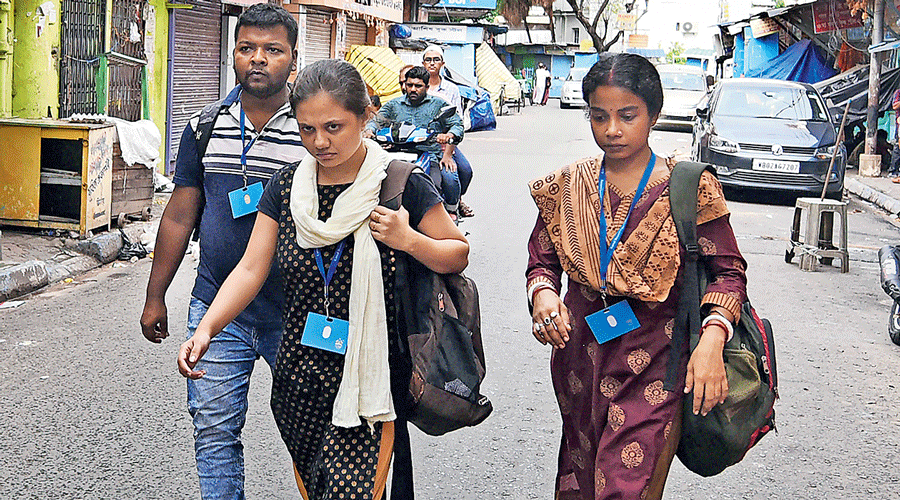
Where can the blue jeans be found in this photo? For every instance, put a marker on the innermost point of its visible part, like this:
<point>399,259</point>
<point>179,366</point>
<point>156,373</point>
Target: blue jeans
<point>450,189</point>
<point>218,401</point>
<point>464,169</point>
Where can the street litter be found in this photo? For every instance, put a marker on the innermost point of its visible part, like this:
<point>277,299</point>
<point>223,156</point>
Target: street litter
<point>131,250</point>
<point>11,304</point>
<point>26,343</point>
<point>68,280</point>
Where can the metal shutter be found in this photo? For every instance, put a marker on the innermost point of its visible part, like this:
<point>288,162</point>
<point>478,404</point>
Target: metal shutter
<point>195,64</point>
<point>318,36</point>
<point>356,33</point>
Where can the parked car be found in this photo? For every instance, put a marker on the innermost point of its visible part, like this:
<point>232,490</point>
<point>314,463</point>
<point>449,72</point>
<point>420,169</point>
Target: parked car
<point>772,135</point>
<point>683,88</point>
<point>571,90</point>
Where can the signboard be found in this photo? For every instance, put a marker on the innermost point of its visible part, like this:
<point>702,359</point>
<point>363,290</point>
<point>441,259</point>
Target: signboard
<point>443,33</point>
<point>626,21</point>
<point>763,27</point>
<point>468,4</point>
<point>832,15</point>
<point>638,41</point>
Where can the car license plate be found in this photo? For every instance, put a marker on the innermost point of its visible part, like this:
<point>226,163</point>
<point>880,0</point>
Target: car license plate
<point>791,167</point>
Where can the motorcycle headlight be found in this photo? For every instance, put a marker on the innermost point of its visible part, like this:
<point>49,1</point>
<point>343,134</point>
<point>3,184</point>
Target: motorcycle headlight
<point>825,152</point>
<point>721,145</point>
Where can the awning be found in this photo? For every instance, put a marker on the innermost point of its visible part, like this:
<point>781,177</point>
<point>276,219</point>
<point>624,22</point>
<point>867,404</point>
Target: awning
<point>493,75</point>
<point>648,53</point>
<point>853,85</point>
<point>379,67</point>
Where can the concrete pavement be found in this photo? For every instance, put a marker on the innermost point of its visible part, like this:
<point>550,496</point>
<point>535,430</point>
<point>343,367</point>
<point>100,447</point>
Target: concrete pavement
<point>32,259</point>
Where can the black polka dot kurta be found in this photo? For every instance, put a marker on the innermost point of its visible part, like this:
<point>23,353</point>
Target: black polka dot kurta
<point>334,463</point>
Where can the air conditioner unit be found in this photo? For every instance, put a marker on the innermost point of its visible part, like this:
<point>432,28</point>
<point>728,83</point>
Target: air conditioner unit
<point>687,26</point>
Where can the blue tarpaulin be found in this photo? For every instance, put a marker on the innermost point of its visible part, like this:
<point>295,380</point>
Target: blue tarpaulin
<point>801,62</point>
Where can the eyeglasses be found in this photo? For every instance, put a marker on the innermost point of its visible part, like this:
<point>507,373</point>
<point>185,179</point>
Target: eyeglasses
<point>432,59</point>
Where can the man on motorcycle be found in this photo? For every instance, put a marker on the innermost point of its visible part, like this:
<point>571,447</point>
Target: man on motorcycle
<point>422,110</point>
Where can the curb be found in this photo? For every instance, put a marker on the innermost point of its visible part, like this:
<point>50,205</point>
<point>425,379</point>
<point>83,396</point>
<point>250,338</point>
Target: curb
<point>17,280</point>
<point>869,194</point>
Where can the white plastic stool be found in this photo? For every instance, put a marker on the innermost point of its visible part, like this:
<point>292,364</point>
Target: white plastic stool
<point>818,242</point>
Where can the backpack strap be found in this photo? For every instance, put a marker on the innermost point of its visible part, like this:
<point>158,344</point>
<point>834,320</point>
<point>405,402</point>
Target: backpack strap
<point>208,116</point>
<point>394,184</point>
<point>684,183</point>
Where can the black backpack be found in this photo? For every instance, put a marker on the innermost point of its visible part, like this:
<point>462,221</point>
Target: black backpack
<point>438,389</point>
<point>720,439</point>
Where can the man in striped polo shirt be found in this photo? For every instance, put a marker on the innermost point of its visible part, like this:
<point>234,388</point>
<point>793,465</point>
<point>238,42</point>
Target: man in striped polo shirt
<point>253,134</point>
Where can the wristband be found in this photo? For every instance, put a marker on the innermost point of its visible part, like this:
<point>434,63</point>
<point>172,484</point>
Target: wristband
<point>722,321</point>
<point>535,288</point>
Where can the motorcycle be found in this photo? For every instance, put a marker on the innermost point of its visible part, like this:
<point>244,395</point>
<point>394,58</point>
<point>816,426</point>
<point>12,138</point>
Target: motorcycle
<point>404,141</point>
<point>889,260</point>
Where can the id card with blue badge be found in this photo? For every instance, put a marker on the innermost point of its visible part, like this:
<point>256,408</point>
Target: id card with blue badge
<point>618,319</point>
<point>244,201</point>
<point>326,333</point>
<point>612,322</point>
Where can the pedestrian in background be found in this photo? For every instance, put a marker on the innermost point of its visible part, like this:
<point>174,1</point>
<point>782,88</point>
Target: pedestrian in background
<point>438,86</point>
<point>620,424</point>
<point>542,84</point>
<point>894,169</point>
<point>335,410</point>
<point>253,136</point>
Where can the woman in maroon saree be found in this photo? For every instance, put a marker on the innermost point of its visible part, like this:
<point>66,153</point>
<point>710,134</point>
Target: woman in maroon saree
<point>620,420</point>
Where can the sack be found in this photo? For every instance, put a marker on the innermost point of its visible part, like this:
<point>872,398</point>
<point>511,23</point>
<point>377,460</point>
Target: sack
<point>720,439</point>
<point>441,319</point>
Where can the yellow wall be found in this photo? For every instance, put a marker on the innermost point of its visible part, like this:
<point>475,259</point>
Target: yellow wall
<point>35,71</point>
<point>157,71</point>
<point>6,56</point>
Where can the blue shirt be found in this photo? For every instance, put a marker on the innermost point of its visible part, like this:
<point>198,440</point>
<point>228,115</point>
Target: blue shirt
<point>401,110</point>
<point>223,238</point>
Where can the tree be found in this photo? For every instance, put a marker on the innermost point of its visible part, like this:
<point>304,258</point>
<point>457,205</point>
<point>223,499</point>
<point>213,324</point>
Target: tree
<point>606,10</point>
<point>515,12</point>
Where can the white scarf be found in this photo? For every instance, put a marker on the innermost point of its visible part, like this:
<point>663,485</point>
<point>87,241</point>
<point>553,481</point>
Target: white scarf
<point>365,389</point>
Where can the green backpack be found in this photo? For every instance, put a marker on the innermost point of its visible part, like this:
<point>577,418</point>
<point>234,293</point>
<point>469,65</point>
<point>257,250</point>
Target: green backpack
<point>720,439</point>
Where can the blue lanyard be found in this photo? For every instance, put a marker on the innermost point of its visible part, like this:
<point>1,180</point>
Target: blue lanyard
<point>246,148</point>
<point>606,252</point>
<point>332,267</point>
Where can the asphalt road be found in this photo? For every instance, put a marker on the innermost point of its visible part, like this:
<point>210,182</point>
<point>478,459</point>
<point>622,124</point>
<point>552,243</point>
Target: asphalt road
<point>89,409</point>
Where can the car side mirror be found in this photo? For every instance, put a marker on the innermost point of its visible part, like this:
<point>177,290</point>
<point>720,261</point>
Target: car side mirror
<point>702,113</point>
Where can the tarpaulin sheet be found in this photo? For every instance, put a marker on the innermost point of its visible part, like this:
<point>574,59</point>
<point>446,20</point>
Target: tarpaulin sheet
<point>801,62</point>
<point>493,75</point>
<point>379,67</point>
<point>854,85</point>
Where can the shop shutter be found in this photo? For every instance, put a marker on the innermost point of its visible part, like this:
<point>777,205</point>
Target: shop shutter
<point>356,33</point>
<point>195,64</point>
<point>318,36</point>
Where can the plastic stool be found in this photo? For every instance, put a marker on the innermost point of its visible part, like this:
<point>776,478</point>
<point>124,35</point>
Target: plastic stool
<point>818,242</point>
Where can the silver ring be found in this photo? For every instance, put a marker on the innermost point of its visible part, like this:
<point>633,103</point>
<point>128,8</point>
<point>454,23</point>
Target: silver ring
<point>553,315</point>
<point>547,321</point>
<point>537,326</point>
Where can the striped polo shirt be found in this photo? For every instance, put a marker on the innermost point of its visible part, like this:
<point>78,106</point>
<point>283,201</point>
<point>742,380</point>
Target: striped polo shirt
<point>223,238</point>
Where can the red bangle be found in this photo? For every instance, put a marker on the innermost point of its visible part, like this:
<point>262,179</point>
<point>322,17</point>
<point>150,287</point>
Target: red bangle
<point>716,322</point>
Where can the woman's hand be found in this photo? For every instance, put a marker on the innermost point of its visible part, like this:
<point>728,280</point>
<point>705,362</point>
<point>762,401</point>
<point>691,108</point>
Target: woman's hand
<point>391,227</point>
<point>551,319</point>
<point>706,371</point>
<point>190,353</point>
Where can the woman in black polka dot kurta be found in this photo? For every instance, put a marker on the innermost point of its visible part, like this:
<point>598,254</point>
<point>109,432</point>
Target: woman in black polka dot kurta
<point>333,462</point>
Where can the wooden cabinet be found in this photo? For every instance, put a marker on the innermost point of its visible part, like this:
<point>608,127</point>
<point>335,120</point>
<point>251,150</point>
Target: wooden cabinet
<point>55,174</point>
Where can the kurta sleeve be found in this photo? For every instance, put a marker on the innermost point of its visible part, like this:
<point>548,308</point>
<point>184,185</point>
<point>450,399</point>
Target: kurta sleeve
<point>719,250</point>
<point>543,262</point>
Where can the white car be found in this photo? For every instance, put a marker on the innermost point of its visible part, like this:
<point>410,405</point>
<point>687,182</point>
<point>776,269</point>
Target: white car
<point>683,88</point>
<point>571,90</point>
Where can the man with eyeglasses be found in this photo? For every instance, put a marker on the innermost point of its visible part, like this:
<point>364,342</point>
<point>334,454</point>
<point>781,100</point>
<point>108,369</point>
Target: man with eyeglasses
<point>433,60</point>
